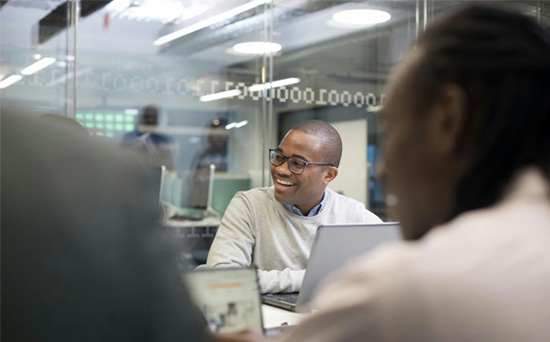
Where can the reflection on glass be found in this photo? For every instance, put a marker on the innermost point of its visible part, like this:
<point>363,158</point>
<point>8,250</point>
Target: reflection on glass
<point>181,57</point>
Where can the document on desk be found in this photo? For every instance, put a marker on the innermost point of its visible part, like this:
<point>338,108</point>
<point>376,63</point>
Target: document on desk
<point>228,298</point>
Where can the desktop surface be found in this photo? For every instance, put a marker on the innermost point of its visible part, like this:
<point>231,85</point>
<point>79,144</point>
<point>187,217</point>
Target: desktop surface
<point>276,317</point>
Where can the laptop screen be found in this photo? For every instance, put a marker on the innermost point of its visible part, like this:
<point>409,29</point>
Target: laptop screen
<point>228,298</point>
<point>335,245</point>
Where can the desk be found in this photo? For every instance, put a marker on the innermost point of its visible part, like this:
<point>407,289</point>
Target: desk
<point>274,317</point>
<point>192,239</point>
<point>211,221</point>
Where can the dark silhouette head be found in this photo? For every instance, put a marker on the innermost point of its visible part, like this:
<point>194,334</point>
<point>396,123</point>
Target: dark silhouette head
<point>467,109</point>
<point>149,116</point>
<point>501,60</point>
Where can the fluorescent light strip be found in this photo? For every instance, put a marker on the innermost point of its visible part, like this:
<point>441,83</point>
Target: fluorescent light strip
<point>373,108</point>
<point>41,64</point>
<point>241,124</point>
<point>210,21</point>
<point>220,95</point>
<point>231,125</point>
<point>131,111</point>
<point>274,84</point>
<point>256,48</point>
<point>363,17</point>
<point>8,81</point>
<point>69,76</point>
<point>236,124</point>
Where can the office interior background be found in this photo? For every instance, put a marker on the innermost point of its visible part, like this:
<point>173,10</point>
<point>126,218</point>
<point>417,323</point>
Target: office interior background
<point>228,77</point>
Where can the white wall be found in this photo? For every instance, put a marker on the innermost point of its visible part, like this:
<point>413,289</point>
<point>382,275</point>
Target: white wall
<point>352,173</point>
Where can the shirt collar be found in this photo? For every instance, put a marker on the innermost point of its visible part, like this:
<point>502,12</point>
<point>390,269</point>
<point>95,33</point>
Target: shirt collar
<point>315,211</point>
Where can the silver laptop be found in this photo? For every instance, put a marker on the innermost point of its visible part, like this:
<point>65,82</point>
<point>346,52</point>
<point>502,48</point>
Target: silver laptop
<point>334,245</point>
<point>228,298</point>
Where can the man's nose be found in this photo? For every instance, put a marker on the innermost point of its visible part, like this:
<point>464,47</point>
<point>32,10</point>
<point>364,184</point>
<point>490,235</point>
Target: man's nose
<point>284,168</point>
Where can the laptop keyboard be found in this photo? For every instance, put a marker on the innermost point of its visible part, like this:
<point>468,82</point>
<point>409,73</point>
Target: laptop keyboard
<point>287,297</point>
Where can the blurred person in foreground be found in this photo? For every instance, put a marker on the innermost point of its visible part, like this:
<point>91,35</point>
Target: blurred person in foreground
<point>83,258</point>
<point>467,161</point>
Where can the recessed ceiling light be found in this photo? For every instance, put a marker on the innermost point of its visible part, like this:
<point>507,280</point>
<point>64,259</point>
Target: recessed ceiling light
<point>361,17</point>
<point>256,48</point>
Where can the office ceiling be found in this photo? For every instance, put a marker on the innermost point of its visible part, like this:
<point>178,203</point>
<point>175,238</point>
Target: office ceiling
<point>123,31</point>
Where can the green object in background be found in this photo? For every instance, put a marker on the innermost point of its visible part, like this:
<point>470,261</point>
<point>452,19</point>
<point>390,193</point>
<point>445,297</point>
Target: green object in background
<point>99,117</point>
<point>224,189</point>
<point>109,117</point>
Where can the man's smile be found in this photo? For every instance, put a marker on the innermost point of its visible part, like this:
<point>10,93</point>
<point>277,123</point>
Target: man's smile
<point>283,182</point>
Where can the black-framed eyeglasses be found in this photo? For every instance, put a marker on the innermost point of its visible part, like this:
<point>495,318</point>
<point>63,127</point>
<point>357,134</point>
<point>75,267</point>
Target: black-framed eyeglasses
<point>295,165</point>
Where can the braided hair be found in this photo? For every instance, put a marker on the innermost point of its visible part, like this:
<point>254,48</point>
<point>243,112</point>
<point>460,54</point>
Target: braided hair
<point>501,60</point>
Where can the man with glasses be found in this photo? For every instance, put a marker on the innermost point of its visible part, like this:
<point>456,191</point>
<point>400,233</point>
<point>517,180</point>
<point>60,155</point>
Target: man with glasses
<point>273,228</point>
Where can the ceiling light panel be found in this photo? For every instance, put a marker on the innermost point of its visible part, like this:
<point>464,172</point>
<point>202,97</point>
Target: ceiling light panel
<point>256,48</point>
<point>274,84</point>
<point>209,21</point>
<point>41,64</point>
<point>361,17</point>
<point>8,81</point>
<point>164,11</point>
<point>220,95</point>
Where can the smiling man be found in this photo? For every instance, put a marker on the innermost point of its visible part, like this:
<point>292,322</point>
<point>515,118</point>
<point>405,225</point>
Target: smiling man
<point>273,228</point>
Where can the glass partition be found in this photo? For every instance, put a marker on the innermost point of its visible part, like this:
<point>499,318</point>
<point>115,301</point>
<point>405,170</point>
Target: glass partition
<point>183,95</point>
<point>37,55</point>
<point>183,80</point>
<point>342,53</point>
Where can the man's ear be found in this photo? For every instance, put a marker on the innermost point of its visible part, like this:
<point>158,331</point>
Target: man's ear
<point>448,121</point>
<point>330,174</point>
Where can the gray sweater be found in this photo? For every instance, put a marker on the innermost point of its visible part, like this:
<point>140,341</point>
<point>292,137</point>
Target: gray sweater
<point>258,230</point>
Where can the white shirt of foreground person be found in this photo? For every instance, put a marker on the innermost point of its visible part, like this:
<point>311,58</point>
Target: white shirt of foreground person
<point>484,276</point>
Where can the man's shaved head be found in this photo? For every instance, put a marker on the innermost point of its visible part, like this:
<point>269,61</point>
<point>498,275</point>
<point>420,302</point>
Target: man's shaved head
<point>327,135</point>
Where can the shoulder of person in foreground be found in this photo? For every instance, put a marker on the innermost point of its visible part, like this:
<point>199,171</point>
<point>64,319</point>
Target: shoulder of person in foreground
<point>357,303</point>
<point>81,244</point>
<point>448,276</point>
